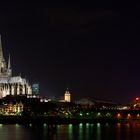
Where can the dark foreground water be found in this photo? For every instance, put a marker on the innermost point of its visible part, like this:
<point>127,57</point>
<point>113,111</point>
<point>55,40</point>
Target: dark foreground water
<point>96,131</point>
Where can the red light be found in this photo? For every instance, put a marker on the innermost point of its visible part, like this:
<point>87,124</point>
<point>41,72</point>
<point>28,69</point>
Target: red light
<point>137,99</point>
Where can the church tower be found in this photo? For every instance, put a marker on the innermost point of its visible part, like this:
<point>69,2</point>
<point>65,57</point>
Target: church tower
<point>4,70</point>
<point>11,85</point>
<point>9,70</point>
<point>67,96</point>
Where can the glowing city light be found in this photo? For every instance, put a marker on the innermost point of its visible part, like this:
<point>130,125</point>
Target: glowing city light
<point>128,116</point>
<point>81,114</point>
<point>118,115</point>
<point>99,114</point>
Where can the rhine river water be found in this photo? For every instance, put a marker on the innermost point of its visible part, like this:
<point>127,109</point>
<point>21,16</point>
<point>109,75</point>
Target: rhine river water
<point>96,131</point>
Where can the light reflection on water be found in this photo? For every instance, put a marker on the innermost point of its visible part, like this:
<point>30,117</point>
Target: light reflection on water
<point>87,131</point>
<point>70,131</point>
<point>98,131</point>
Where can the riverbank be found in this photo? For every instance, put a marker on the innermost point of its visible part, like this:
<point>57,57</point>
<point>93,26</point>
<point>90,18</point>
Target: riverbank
<point>54,120</point>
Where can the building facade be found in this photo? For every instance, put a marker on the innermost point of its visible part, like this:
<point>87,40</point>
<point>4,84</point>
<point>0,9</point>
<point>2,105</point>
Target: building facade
<point>12,108</point>
<point>11,85</point>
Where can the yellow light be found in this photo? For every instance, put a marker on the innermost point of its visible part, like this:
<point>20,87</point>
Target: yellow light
<point>118,115</point>
<point>128,116</point>
<point>118,124</point>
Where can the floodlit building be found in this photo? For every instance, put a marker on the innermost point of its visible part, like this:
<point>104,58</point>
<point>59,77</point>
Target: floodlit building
<point>67,96</point>
<point>11,85</point>
<point>11,108</point>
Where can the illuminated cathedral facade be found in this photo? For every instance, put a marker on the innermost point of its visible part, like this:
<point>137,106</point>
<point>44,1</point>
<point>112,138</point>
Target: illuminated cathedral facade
<point>11,85</point>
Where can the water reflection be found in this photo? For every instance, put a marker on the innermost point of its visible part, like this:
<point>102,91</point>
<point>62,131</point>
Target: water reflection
<point>70,131</point>
<point>82,131</point>
<point>98,134</point>
<point>118,131</point>
<point>88,130</point>
<point>128,133</point>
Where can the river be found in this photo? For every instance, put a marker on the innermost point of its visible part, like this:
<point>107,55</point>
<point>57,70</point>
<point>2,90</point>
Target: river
<point>96,131</point>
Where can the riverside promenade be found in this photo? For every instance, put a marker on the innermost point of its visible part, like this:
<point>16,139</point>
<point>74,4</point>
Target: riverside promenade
<point>97,116</point>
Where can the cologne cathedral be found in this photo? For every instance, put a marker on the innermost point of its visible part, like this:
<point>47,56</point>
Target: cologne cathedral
<point>11,85</point>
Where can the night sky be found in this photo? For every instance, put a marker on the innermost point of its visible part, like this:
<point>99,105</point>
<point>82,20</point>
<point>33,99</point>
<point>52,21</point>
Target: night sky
<point>92,50</point>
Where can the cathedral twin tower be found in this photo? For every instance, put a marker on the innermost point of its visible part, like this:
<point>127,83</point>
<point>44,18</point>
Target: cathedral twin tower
<point>5,71</point>
<point>11,85</point>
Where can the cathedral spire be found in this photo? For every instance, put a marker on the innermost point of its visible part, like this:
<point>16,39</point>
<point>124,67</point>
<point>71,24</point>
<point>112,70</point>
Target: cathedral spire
<point>9,70</point>
<point>9,62</point>
<point>1,52</point>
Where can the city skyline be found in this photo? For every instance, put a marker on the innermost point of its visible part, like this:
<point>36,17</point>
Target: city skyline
<point>93,51</point>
